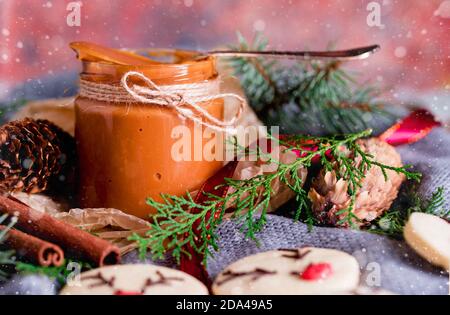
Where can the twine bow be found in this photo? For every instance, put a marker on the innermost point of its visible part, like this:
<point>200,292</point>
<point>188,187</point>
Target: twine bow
<point>184,98</point>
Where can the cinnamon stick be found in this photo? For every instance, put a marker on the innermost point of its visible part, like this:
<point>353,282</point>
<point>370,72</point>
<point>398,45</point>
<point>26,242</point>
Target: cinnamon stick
<point>75,242</point>
<point>33,249</point>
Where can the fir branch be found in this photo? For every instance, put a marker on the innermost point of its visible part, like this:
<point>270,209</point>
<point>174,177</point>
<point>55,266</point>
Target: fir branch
<point>255,73</point>
<point>435,204</point>
<point>173,225</point>
<point>311,96</point>
<point>393,221</point>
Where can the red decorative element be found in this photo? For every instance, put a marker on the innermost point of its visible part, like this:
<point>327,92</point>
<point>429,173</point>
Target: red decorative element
<point>318,271</point>
<point>122,292</point>
<point>306,146</point>
<point>411,129</point>
<point>193,265</point>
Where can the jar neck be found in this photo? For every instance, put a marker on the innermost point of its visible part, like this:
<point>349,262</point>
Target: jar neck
<point>183,70</point>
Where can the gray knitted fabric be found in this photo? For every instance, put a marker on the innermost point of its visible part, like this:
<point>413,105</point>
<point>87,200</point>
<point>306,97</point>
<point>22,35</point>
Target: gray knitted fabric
<point>400,269</point>
<point>29,285</point>
<point>384,262</point>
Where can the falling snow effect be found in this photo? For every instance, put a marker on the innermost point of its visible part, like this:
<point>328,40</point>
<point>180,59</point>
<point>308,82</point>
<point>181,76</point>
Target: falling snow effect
<point>413,66</point>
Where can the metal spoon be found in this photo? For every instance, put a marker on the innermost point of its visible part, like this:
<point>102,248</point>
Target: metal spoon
<point>349,54</point>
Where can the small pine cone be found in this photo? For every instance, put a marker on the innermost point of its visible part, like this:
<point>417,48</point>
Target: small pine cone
<point>329,195</point>
<point>34,154</point>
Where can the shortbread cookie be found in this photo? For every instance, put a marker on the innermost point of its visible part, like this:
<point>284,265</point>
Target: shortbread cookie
<point>134,280</point>
<point>306,270</point>
<point>429,236</point>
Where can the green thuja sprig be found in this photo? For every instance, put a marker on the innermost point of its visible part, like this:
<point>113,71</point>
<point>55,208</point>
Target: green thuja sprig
<point>173,226</point>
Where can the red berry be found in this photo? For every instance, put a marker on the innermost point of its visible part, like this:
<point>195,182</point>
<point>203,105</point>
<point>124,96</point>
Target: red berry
<point>316,271</point>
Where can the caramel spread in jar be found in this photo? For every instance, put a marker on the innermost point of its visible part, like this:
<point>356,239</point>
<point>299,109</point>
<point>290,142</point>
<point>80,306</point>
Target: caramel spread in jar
<point>125,150</point>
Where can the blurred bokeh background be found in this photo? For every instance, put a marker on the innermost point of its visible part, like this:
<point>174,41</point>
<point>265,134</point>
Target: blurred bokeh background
<point>414,35</point>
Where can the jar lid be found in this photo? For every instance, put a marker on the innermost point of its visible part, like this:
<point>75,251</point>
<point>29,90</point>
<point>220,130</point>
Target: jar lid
<point>162,66</point>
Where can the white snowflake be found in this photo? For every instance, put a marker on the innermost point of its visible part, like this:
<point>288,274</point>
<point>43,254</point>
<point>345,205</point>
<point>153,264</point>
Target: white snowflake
<point>400,52</point>
<point>259,25</point>
<point>188,3</point>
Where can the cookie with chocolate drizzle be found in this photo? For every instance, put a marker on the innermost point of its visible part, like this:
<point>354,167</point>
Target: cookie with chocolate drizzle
<point>134,280</point>
<point>305,270</point>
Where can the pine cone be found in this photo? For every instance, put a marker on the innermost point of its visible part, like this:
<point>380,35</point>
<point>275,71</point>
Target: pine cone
<point>34,154</point>
<point>329,195</point>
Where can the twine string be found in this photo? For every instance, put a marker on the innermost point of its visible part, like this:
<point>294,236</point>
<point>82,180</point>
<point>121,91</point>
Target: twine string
<point>184,98</point>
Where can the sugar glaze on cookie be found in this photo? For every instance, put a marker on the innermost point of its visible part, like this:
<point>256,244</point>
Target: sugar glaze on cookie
<point>283,272</point>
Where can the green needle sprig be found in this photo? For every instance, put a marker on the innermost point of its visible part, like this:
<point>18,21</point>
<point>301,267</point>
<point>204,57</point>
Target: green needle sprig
<point>172,227</point>
<point>309,96</point>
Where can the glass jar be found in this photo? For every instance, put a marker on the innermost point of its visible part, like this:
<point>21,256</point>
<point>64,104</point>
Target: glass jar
<point>124,149</point>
